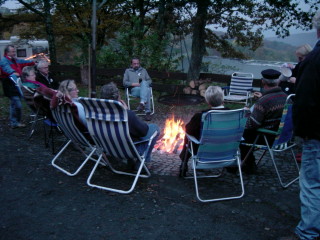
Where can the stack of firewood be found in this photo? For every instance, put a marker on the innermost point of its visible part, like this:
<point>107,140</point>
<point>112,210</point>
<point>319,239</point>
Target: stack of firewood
<point>197,87</point>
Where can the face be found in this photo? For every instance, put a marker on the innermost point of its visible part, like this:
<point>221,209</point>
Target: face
<point>74,91</point>
<point>135,64</point>
<point>11,52</point>
<point>31,76</point>
<point>300,57</point>
<point>44,69</point>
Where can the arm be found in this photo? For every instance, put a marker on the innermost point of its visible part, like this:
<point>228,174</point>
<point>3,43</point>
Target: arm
<point>193,127</point>
<point>147,78</point>
<point>6,68</point>
<point>256,118</point>
<point>126,79</point>
<point>137,127</point>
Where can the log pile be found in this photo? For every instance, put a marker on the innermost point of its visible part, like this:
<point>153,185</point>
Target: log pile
<point>197,87</point>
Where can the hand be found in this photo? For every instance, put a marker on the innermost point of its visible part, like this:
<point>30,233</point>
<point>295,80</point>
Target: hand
<point>257,94</point>
<point>292,80</point>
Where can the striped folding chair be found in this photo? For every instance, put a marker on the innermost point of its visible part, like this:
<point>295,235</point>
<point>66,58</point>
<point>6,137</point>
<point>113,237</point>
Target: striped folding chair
<point>107,122</point>
<point>70,126</point>
<point>283,142</point>
<point>240,88</point>
<point>218,146</point>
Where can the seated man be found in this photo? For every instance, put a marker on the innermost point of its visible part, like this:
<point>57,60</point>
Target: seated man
<point>214,98</point>
<point>138,129</point>
<point>138,80</point>
<point>266,113</point>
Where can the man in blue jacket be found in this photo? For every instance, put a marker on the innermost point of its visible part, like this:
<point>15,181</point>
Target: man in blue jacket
<point>11,69</point>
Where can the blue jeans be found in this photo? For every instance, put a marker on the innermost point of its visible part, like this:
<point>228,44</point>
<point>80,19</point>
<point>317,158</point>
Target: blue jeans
<point>15,110</point>
<point>309,225</point>
<point>143,146</point>
<point>144,93</point>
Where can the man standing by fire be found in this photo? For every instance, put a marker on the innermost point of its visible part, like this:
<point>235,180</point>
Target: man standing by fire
<point>11,69</point>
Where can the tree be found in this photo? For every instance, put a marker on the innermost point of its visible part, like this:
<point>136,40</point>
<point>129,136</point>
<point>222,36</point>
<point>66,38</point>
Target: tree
<point>44,12</point>
<point>243,23</point>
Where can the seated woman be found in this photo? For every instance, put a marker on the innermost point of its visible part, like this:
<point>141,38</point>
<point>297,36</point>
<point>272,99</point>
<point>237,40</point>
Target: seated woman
<point>214,97</point>
<point>69,89</point>
<point>36,102</point>
<point>29,78</point>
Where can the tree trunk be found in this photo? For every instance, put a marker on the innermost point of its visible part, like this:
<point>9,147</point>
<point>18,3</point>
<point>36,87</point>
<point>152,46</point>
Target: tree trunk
<point>50,34</point>
<point>198,39</point>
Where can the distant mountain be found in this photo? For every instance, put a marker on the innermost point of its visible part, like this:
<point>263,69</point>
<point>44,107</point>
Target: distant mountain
<point>297,39</point>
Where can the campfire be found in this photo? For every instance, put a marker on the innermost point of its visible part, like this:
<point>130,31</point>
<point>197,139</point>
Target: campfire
<point>172,140</point>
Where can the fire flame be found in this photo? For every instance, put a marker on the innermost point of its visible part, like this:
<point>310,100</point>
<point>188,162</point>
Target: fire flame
<point>172,141</point>
<point>41,55</point>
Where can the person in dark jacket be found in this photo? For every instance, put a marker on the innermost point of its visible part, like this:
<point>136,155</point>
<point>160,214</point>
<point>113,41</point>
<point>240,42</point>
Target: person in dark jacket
<point>11,70</point>
<point>43,75</point>
<point>288,85</point>
<point>214,97</point>
<point>306,121</point>
<point>138,129</point>
<point>267,113</point>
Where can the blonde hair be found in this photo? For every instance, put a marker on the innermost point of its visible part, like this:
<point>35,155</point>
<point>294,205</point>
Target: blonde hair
<point>304,50</point>
<point>214,96</point>
<point>67,86</point>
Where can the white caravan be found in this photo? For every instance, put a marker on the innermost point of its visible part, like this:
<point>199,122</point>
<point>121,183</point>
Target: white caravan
<point>26,49</point>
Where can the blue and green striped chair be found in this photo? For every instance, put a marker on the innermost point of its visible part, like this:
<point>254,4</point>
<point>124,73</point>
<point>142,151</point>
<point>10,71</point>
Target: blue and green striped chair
<point>107,122</point>
<point>283,142</point>
<point>221,134</point>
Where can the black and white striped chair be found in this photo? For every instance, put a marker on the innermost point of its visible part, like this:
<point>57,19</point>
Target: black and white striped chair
<point>107,122</point>
<point>70,126</point>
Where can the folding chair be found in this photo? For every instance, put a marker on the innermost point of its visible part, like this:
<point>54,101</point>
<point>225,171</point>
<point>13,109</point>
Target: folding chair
<point>107,122</point>
<point>35,115</point>
<point>283,141</point>
<point>64,115</point>
<point>240,88</point>
<point>218,146</point>
<point>129,98</point>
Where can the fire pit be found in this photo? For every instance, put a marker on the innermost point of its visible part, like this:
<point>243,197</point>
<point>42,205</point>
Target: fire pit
<point>180,99</point>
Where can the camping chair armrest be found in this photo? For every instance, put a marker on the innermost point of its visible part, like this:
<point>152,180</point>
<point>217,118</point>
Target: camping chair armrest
<point>192,139</point>
<point>263,130</point>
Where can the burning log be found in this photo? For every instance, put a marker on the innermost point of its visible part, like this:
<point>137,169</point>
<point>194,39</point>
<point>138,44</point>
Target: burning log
<point>177,146</point>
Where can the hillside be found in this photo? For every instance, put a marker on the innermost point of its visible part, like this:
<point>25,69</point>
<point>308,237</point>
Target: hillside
<point>297,39</point>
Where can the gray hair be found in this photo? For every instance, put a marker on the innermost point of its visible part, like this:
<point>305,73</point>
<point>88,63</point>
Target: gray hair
<point>271,82</point>
<point>214,96</point>
<point>26,71</point>
<point>110,91</point>
<point>316,21</point>
<point>42,63</point>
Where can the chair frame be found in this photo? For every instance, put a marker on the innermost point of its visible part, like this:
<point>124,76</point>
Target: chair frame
<point>129,98</point>
<point>238,93</point>
<point>231,159</point>
<point>282,143</point>
<point>101,119</point>
<point>64,117</point>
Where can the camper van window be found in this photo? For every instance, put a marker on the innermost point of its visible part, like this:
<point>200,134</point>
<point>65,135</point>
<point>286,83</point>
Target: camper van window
<point>21,52</point>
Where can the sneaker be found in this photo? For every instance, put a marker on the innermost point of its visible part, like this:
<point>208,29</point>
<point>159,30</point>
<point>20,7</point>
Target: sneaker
<point>148,117</point>
<point>140,108</point>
